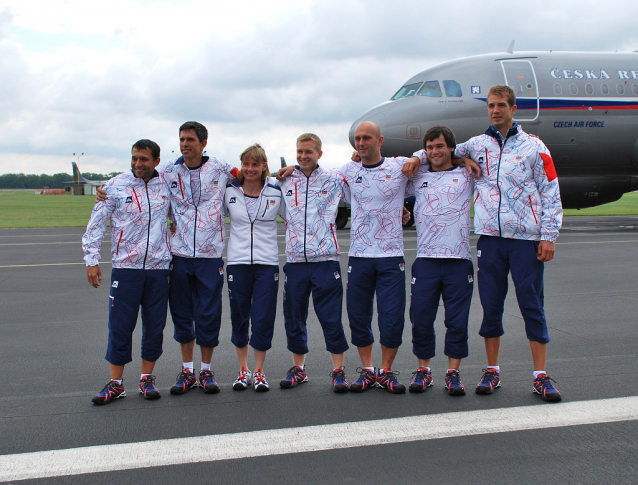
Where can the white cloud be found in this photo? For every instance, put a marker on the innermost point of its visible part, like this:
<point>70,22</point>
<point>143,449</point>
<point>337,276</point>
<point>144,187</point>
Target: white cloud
<point>85,76</point>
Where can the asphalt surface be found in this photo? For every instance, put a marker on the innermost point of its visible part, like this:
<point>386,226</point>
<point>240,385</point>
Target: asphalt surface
<point>53,337</point>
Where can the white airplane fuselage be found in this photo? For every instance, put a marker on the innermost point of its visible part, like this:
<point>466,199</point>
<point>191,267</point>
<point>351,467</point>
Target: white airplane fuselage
<point>584,106</point>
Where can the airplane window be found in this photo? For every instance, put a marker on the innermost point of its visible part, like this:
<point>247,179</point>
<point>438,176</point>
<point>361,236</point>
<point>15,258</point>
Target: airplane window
<point>431,88</point>
<point>634,88</point>
<point>558,89</point>
<point>452,89</point>
<point>573,88</point>
<point>407,90</point>
<point>604,89</point>
<point>620,89</point>
<point>589,89</point>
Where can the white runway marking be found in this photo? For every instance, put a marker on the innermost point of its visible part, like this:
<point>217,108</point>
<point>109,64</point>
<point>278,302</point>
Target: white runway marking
<point>93,459</point>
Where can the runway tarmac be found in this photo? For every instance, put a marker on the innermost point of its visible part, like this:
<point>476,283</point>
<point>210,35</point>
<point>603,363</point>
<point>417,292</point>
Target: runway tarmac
<point>53,338</point>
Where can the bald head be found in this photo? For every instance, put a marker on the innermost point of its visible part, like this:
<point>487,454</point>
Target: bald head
<point>368,141</point>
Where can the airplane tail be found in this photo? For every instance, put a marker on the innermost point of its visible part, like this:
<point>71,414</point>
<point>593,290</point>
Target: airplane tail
<point>77,176</point>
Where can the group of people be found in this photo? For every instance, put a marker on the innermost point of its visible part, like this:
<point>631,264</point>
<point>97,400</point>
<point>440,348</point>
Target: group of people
<point>517,213</point>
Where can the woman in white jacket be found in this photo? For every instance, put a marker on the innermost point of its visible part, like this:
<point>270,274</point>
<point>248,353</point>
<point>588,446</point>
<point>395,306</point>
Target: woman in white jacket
<point>253,202</point>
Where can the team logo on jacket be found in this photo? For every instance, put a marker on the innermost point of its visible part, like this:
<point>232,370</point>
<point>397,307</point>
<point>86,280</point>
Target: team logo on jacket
<point>388,178</point>
<point>324,193</point>
<point>481,160</point>
<point>289,193</point>
<point>470,278</point>
<point>337,275</point>
<point>173,185</point>
<point>455,181</point>
<point>424,185</point>
<point>276,276</point>
<point>115,283</point>
<point>232,200</point>
<point>272,202</point>
<point>215,183</point>
<point>129,199</point>
<point>402,267</point>
<point>230,278</point>
<point>358,181</point>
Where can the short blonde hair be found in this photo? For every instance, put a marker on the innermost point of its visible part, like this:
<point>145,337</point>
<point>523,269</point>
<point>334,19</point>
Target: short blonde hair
<point>258,154</point>
<point>310,137</point>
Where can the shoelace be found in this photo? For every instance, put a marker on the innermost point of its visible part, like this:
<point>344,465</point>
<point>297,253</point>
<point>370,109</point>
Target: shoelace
<point>259,378</point>
<point>488,377</point>
<point>454,378</point>
<point>339,376</point>
<point>545,382</point>
<point>420,375</point>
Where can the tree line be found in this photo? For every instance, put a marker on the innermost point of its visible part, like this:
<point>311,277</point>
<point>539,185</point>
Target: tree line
<point>56,181</point>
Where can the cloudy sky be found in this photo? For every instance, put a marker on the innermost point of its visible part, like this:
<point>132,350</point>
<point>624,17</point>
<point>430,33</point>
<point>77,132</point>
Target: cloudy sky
<point>93,77</point>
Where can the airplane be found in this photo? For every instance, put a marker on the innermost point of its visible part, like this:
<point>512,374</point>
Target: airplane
<point>582,105</point>
<point>81,185</point>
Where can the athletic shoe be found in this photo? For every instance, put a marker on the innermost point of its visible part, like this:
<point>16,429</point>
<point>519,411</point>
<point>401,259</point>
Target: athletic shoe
<point>421,381</point>
<point>388,381</point>
<point>185,381</point>
<point>259,381</point>
<point>544,388</point>
<point>295,377</point>
<point>148,388</point>
<point>339,381</point>
<point>243,380</point>
<point>110,393</point>
<point>453,384</point>
<point>490,381</point>
<point>366,380</point>
<point>207,382</point>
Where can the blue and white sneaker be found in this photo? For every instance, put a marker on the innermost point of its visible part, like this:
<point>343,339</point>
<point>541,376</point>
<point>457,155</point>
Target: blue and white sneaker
<point>490,381</point>
<point>453,384</point>
<point>388,381</point>
<point>185,381</point>
<point>260,383</point>
<point>295,377</point>
<point>110,393</point>
<point>207,382</point>
<point>366,380</point>
<point>422,380</point>
<point>339,381</point>
<point>148,389</point>
<point>243,380</point>
<point>545,389</point>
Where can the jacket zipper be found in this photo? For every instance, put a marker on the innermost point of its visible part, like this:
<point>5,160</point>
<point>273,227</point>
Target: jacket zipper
<point>532,208</point>
<point>148,227</point>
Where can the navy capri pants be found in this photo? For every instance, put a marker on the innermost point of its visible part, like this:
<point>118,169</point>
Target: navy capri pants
<point>130,290</point>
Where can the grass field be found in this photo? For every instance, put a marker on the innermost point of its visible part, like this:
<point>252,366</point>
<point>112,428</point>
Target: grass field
<point>24,209</point>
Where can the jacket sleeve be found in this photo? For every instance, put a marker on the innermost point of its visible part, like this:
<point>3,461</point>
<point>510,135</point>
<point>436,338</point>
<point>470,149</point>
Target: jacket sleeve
<point>422,155</point>
<point>546,181</point>
<point>92,239</point>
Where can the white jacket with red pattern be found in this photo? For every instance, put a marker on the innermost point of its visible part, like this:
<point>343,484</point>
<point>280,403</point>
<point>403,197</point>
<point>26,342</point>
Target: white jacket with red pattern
<point>517,195</point>
<point>137,211</point>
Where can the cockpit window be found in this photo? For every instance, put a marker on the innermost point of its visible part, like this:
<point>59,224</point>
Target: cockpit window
<point>407,90</point>
<point>431,88</point>
<point>452,89</point>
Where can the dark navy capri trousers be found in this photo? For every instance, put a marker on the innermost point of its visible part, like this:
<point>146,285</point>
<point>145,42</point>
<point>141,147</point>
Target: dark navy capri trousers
<point>130,290</point>
<point>252,292</point>
<point>323,280</point>
<point>453,280</point>
<point>195,299</point>
<point>386,277</point>
<point>497,257</point>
